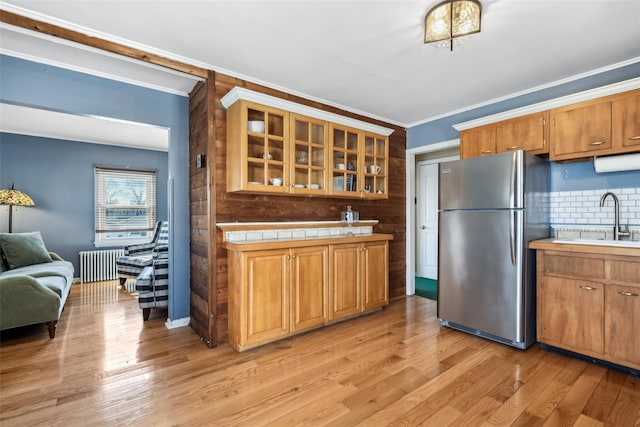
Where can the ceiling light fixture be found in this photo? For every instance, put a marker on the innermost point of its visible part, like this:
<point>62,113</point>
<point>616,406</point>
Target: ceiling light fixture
<point>450,21</point>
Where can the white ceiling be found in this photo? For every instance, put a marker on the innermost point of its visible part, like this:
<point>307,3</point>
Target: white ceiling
<point>367,56</point>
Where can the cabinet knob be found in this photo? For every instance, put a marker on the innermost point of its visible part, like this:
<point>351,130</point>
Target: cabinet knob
<point>597,143</point>
<point>486,152</point>
<point>423,227</point>
<point>513,147</point>
<point>634,138</point>
<point>587,288</point>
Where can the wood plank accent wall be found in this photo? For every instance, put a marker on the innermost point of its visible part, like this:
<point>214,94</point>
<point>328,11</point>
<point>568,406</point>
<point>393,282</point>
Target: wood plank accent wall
<point>230,207</point>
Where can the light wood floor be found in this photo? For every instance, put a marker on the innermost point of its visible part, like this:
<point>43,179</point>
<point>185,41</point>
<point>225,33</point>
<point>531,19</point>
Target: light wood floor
<point>395,367</point>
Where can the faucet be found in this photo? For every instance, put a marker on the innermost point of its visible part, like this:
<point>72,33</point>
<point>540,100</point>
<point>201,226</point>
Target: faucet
<point>617,231</point>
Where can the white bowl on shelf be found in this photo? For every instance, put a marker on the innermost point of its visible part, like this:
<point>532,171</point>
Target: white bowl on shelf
<point>275,181</point>
<point>314,186</point>
<point>255,126</point>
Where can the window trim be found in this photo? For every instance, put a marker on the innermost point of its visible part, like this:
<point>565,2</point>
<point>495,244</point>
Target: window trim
<point>101,171</point>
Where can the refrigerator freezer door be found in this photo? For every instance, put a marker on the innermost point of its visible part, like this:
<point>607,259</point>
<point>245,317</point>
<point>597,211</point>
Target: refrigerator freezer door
<point>491,182</point>
<point>480,283</point>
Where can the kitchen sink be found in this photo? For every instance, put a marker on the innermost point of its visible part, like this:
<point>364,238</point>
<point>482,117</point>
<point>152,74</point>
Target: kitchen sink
<point>600,242</point>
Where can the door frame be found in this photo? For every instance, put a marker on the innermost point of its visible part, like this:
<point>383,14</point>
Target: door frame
<point>410,207</point>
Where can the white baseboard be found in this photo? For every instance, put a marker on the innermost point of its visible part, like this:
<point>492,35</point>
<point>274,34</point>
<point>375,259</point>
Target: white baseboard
<point>177,323</point>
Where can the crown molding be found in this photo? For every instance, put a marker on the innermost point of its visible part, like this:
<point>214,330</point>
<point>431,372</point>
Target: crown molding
<point>586,95</point>
<point>238,93</point>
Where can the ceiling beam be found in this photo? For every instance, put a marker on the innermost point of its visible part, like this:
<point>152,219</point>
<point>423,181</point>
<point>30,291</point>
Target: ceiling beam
<point>117,48</point>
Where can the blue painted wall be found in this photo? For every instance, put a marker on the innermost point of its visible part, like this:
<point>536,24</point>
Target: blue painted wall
<point>38,85</point>
<point>58,175</point>
<point>579,176</point>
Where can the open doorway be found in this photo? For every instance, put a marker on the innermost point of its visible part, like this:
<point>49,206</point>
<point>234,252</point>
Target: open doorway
<point>422,215</point>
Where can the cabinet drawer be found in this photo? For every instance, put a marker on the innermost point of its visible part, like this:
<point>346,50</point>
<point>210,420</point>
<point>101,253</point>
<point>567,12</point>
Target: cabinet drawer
<point>590,268</point>
<point>625,271</point>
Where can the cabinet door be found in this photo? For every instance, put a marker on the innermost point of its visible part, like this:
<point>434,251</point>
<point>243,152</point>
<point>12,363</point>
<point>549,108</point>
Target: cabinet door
<point>345,146</point>
<point>623,323</point>
<point>375,167</point>
<point>571,314</point>
<point>523,133</point>
<point>583,129</point>
<point>267,296</point>
<point>309,287</point>
<point>346,291</point>
<point>375,275</point>
<point>480,141</point>
<point>625,121</point>
<point>308,157</point>
<point>257,151</point>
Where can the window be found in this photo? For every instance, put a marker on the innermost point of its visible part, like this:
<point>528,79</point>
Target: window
<point>125,205</point>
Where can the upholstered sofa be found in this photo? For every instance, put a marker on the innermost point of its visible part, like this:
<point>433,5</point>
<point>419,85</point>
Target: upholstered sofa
<point>34,283</point>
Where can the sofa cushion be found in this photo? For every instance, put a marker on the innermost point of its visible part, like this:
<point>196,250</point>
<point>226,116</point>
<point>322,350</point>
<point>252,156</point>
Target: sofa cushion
<point>22,249</point>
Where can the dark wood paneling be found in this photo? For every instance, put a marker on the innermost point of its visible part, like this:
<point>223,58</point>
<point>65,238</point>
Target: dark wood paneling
<point>230,207</point>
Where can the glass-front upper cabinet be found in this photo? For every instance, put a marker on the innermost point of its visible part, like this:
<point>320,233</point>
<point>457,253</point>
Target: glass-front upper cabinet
<point>258,145</point>
<point>279,147</point>
<point>375,168</point>
<point>308,158</point>
<point>345,146</point>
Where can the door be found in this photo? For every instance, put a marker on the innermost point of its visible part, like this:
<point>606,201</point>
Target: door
<point>427,221</point>
<point>480,281</point>
<point>346,290</point>
<point>267,299</point>
<point>375,260</point>
<point>309,281</point>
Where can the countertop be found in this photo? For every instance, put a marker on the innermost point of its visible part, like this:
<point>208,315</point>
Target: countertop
<point>250,245</point>
<point>576,246</point>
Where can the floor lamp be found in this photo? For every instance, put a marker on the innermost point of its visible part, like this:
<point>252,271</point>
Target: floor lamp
<point>13,197</point>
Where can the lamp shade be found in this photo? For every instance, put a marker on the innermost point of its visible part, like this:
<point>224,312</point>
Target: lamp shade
<point>451,20</point>
<point>13,197</point>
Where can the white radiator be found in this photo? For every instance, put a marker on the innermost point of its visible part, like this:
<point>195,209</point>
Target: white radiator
<point>96,266</point>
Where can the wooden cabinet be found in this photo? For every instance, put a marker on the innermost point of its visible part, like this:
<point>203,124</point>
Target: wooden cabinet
<point>292,286</point>
<point>309,154</point>
<point>603,126</point>
<point>589,303</point>
<point>599,127</point>
<point>583,129</point>
<point>528,133</point>
<point>625,119</point>
<point>263,299</point>
<point>571,314</point>
<point>276,151</point>
<point>309,286</point>
<point>480,141</point>
<point>360,279</point>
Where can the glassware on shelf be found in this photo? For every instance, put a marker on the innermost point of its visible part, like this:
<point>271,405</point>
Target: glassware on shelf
<point>349,217</point>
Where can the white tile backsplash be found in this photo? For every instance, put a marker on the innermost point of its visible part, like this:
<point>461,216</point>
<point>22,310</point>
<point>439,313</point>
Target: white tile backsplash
<point>583,207</point>
<point>294,233</point>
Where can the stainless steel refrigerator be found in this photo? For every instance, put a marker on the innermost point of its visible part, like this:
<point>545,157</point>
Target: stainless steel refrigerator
<point>489,209</point>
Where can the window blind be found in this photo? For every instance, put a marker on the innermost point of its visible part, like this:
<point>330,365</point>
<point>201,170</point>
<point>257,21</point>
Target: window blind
<point>125,200</point>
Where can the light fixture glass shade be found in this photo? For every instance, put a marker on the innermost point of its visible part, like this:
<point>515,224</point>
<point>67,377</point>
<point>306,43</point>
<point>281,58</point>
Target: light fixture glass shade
<point>450,20</point>
<point>13,197</point>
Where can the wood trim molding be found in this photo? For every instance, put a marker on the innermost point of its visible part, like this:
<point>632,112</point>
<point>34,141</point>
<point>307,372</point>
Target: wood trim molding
<point>238,93</point>
<point>98,43</point>
<point>586,95</point>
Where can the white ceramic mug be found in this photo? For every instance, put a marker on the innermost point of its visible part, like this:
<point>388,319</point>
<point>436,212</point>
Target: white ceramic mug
<point>375,169</point>
<point>339,165</point>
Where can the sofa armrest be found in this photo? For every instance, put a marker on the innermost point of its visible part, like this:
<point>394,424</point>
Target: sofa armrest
<point>54,256</point>
<point>24,301</point>
<point>160,252</point>
<point>141,248</point>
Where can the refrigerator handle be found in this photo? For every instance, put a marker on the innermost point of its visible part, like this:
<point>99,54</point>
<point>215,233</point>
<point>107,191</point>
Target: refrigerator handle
<point>512,236</point>
<point>513,180</point>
